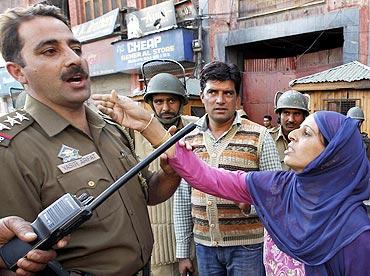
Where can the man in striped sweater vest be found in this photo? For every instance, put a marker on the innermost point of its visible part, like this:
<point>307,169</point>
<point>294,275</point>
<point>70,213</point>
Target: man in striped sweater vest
<point>228,237</point>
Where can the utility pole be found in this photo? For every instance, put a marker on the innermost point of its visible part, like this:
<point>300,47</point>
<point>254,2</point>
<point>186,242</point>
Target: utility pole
<point>197,45</point>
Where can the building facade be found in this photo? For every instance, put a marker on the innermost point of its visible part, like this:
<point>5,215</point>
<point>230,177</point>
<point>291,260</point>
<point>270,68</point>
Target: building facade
<point>278,41</point>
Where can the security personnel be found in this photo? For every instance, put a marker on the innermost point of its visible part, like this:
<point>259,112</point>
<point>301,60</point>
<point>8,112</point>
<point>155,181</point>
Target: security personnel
<point>292,108</point>
<point>58,145</point>
<point>358,114</point>
<point>166,95</point>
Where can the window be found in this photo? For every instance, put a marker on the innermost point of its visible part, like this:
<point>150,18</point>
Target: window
<point>106,7</point>
<point>88,11</point>
<point>341,105</point>
<point>197,111</point>
<point>97,12</point>
<point>248,9</point>
<point>96,8</point>
<point>62,4</point>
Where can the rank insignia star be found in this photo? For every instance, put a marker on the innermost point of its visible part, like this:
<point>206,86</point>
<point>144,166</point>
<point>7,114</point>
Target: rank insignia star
<point>68,154</point>
<point>20,117</point>
<point>2,126</point>
<point>11,121</point>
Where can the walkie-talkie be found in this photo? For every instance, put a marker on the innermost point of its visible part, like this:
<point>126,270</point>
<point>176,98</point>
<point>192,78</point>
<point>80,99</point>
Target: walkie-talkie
<point>68,212</point>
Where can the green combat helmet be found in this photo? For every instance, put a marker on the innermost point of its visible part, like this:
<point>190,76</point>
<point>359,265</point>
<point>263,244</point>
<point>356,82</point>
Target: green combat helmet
<point>292,100</point>
<point>356,113</point>
<point>165,83</point>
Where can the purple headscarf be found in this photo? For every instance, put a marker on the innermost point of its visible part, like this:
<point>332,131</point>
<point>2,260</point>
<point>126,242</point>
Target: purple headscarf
<point>313,214</point>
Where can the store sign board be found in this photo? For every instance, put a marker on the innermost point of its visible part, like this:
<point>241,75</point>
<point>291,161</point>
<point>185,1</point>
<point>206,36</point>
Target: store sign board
<point>172,44</point>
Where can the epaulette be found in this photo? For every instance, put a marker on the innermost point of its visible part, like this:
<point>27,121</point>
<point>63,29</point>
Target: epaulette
<point>187,119</point>
<point>13,123</point>
<point>122,130</point>
<point>273,130</point>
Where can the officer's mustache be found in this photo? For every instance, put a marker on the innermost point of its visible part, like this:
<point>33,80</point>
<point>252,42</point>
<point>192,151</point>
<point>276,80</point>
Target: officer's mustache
<point>72,72</point>
<point>167,113</point>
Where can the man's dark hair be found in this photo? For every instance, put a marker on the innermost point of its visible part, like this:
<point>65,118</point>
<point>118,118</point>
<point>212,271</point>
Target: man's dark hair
<point>268,117</point>
<point>10,42</point>
<point>220,71</point>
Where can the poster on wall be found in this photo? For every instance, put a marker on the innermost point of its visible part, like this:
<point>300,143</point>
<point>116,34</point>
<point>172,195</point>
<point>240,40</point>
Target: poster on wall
<point>152,19</point>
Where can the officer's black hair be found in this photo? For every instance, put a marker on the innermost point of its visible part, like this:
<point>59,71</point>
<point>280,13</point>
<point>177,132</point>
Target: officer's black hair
<point>10,42</point>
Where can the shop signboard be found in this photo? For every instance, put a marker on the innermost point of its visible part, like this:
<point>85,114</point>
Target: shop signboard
<point>172,44</point>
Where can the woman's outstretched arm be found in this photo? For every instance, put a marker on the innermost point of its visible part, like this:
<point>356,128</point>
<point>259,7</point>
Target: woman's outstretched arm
<point>215,181</point>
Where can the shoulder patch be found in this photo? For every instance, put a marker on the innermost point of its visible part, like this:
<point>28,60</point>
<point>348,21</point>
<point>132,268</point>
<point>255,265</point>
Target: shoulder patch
<point>108,119</point>
<point>11,124</point>
<point>124,131</point>
<point>273,130</point>
<point>187,119</point>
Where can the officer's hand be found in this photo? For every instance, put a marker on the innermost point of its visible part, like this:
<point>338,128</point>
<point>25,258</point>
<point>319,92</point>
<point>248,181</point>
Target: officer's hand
<point>36,259</point>
<point>185,265</point>
<point>122,110</point>
<point>244,207</point>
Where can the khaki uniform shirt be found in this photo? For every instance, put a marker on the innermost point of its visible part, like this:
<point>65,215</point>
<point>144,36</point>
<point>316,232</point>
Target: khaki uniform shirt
<point>281,144</point>
<point>34,149</point>
<point>366,140</point>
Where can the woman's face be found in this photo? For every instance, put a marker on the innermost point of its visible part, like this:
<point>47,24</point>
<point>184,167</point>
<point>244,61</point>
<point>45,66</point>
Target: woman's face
<point>306,143</point>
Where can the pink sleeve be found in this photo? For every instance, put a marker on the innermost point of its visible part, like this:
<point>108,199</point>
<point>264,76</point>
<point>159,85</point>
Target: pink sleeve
<point>215,181</point>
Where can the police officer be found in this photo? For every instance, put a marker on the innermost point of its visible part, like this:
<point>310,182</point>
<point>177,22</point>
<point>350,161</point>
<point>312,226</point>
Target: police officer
<point>358,114</point>
<point>292,108</point>
<point>56,144</point>
<point>166,95</point>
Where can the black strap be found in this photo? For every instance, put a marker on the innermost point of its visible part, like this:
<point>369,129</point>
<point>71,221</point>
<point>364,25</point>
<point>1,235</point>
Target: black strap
<point>74,272</point>
<point>54,268</point>
<point>145,271</point>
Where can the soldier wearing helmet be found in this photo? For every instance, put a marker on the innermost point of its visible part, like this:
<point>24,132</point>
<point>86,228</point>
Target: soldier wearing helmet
<point>166,95</point>
<point>357,113</point>
<point>292,108</point>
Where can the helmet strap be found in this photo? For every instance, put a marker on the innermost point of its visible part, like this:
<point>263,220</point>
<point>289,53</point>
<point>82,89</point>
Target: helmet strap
<point>167,123</point>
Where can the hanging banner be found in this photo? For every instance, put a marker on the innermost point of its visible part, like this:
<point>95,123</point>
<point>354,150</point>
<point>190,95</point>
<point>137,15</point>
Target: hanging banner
<point>101,26</point>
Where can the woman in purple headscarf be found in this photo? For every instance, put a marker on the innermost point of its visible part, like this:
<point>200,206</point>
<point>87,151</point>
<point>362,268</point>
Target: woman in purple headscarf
<point>314,213</point>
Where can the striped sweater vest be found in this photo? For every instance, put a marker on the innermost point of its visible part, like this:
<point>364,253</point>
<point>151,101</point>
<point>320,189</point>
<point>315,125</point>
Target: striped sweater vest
<point>220,222</point>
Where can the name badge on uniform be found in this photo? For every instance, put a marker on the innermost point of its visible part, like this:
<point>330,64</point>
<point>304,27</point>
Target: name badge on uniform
<point>73,160</point>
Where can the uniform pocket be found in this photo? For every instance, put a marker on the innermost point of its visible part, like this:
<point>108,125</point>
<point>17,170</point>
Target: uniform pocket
<point>92,179</point>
